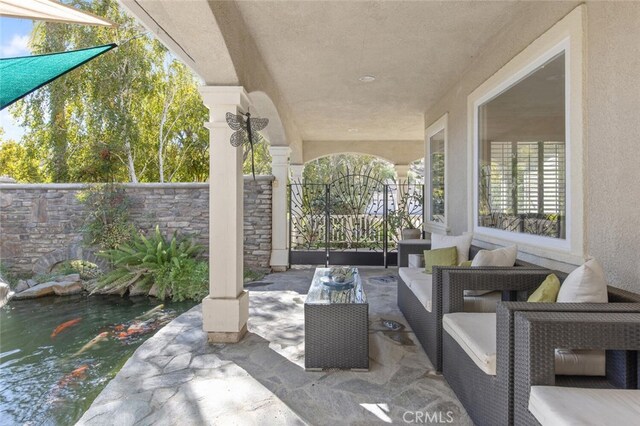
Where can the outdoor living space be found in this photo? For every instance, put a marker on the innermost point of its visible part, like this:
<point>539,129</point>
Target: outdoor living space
<point>262,379</point>
<point>320,212</point>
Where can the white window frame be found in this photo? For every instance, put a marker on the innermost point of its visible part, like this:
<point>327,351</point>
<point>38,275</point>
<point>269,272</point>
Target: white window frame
<point>566,36</point>
<point>439,125</point>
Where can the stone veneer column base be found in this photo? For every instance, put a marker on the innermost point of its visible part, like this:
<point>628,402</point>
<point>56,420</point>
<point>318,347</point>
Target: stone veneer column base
<point>227,337</point>
<point>225,320</point>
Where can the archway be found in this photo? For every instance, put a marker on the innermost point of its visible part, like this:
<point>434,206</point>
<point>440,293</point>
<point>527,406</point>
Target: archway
<point>351,209</point>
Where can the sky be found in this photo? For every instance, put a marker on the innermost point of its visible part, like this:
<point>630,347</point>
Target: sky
<point>14,36</point>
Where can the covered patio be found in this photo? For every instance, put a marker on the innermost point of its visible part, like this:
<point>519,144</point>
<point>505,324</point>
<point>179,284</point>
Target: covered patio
<point>524,113</point>
<point>262,380</point>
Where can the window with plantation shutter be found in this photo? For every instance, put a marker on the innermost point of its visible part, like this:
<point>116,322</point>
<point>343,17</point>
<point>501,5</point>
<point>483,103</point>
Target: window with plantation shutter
<point>521,161</point>
<point>537,183</point>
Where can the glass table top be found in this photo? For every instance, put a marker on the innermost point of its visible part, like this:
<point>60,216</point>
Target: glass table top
<point>325,290</point>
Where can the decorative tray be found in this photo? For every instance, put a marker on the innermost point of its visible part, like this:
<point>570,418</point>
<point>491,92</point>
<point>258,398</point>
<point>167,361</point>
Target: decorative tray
<point>331,282</point>
<point>339,278</point>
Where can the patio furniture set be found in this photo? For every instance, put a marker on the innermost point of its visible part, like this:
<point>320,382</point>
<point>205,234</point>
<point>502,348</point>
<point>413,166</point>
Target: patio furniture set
<point>510,361</point>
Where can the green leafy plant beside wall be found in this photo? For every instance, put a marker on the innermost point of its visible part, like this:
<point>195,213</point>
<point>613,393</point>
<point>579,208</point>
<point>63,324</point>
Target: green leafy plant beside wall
<point>170,264</point>
<point>107,223</point>
<point>187,279</point>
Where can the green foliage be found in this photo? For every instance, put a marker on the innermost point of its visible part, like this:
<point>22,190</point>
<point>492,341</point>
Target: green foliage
<point>145,258</point>
<point>9,278</point>
<point>327,169</point>
<point>107,223</point>
<point>19,161</point>
<point>132,114</point>
<point>186,279</point>
<point>250,275</point>
<point>86,270</point>
<point>43,278</point>
<point>262,159</point>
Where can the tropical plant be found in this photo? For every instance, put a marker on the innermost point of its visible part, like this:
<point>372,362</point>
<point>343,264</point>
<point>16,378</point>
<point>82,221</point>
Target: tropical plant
<point>143,259</point>
<point>184,279</point>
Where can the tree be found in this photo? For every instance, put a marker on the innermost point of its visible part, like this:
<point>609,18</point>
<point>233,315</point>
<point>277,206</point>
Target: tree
<point>19,161</point>
<point>132,114</point>
<point>327,169</point>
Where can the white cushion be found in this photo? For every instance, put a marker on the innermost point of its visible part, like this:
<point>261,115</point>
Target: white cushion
<point>476,335</point>
<point>423,291</point>
<point>580,362</point>
<point>411,275</point>
<point>585,284</point>
<point>462,243</point>
<point>559,406</point>
<point>420,284</point>
<point>484,303</point>
<point>505,256</point>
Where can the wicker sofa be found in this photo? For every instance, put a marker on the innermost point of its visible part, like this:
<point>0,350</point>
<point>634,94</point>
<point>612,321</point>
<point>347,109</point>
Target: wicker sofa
<point>424,312</point>
<point>487,393</point>
<point>542,398</point>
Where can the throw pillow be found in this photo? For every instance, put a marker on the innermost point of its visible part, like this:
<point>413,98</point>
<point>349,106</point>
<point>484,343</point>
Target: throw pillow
<point>461,242</point>
<point>548,290</point>
<point>585,284</point>
<point>440,257</point>
<point>505,256</point>
<point>466,264</point>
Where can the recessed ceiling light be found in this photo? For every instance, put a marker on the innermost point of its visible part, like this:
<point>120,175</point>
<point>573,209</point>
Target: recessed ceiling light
<point>367,78</point>
<point>352,130</point>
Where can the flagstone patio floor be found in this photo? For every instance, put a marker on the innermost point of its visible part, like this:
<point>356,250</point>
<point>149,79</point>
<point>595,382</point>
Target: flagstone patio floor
<point>177,378</point>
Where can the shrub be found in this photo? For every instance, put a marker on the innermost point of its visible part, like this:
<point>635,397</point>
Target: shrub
<point>7,276</point>
<point>143,259</point>
<point>85,269</point>
<point>107,222</point>
<point>187,279</point>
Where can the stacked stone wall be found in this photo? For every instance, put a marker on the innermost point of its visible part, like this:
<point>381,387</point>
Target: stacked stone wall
<point>40,224</point>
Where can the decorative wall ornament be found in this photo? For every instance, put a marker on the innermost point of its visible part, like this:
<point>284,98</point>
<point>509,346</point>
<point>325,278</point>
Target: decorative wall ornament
<point>246,131</point>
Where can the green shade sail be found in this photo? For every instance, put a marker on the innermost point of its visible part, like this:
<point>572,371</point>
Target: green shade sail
<point>21,76</point>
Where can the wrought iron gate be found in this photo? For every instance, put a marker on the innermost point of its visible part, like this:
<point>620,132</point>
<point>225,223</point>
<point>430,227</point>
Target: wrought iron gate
<point>354,220</point>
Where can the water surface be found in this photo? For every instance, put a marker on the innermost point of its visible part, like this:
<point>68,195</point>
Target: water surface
<point>41,381</point>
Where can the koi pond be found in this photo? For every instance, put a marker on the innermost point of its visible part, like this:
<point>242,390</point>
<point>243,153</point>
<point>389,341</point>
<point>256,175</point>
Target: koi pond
<point>58,353</point>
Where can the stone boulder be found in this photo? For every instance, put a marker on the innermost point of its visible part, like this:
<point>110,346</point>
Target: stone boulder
<point>67,278</point>
<point>138,290</point>
<point>64,288</point>
<point>22,286</point>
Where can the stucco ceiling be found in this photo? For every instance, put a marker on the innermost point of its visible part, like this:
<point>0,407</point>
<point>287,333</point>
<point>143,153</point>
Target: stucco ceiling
<point>316,52</point>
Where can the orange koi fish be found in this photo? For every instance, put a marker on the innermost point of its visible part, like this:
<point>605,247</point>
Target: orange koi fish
<point>99,338</point>
<point>64,326</point>
<point>77,374</point>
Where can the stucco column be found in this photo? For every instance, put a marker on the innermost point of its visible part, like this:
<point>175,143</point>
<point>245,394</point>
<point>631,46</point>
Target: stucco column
<point>226,310</point>
<point>296,172</point>
<point>280,170</point>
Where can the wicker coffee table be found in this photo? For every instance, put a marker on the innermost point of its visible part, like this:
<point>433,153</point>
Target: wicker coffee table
<point>336,324</point>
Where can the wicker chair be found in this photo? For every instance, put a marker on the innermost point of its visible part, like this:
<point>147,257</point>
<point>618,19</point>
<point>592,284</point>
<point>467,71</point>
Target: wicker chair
<point>427,326</point>
<point>537,334</point>
<point>489,398</point>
